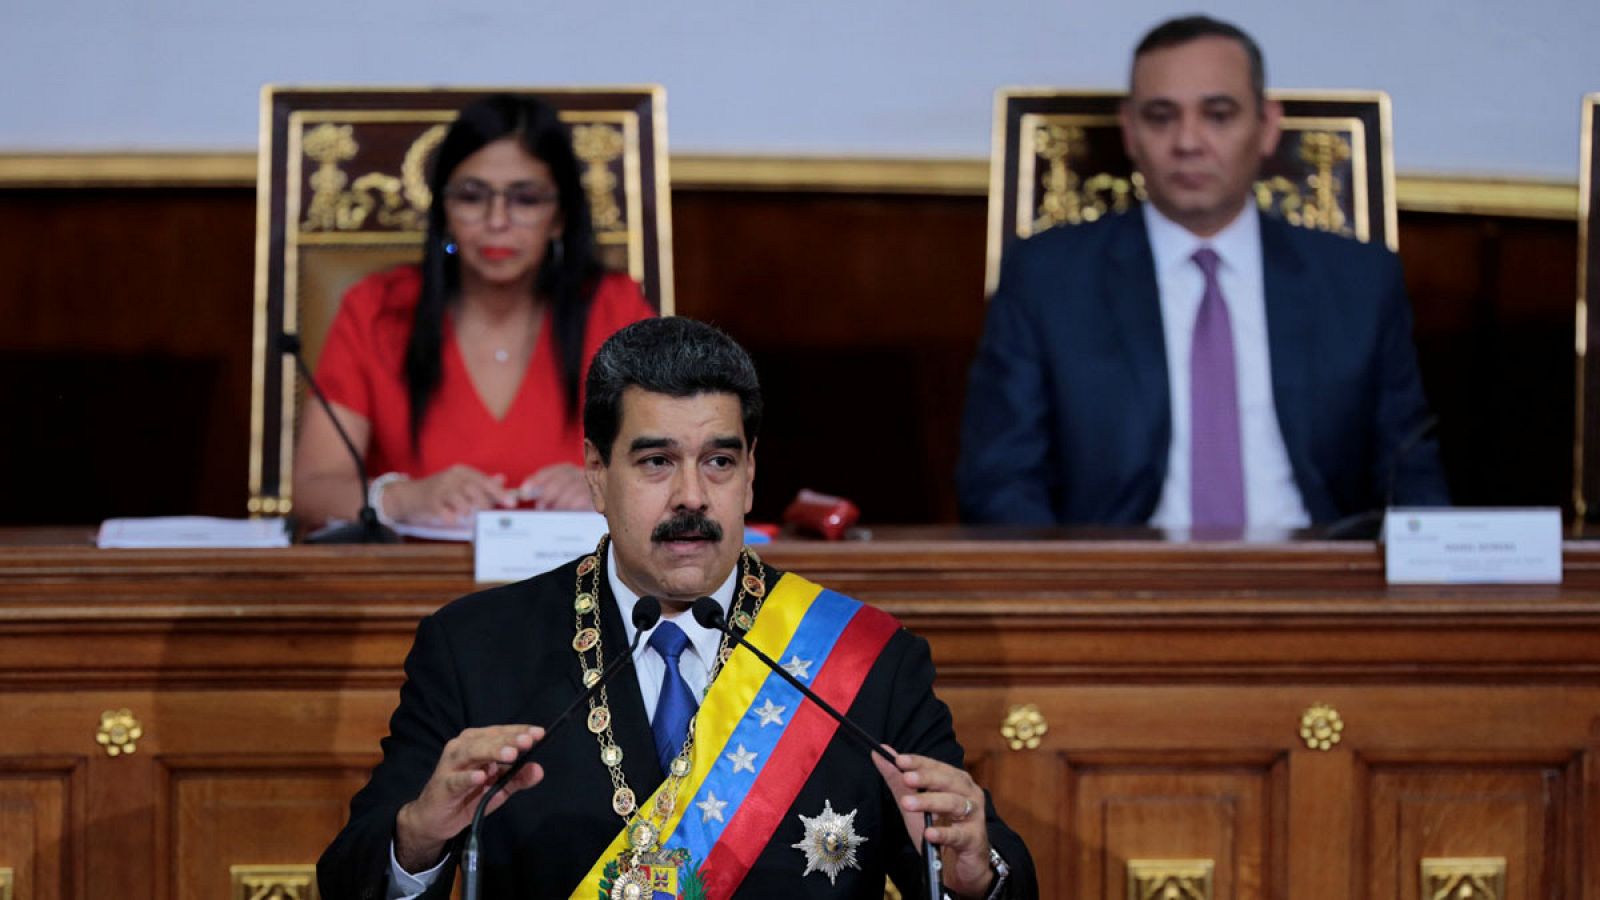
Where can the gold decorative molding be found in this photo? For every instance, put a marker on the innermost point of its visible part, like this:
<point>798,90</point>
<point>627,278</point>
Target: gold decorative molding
<point>1169,879</point>
<point>1480,878</point>
<point>1321,727</point>
<point>5,884</point>
<point>119,732</point>
<point>78,169</point>
<point>1526,198</point>
<point>273,882</point>
<point>1024,727</point>
<point>825,174</point>
<point>1523,198</point>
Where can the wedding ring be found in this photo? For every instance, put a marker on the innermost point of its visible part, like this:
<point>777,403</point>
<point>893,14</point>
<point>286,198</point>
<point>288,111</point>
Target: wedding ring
<point>966,811</point>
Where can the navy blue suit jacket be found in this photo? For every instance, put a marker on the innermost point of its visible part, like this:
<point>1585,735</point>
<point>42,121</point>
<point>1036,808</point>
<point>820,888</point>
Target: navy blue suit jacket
<point>1068,417</point>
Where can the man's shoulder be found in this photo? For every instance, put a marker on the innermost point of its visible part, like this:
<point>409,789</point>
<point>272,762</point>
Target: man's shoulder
<point>1070,260</point>
<point>1067,242</point>
<point>803,590</point>
<point>1326,247</point>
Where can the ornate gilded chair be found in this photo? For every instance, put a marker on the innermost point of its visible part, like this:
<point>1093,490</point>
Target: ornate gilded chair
<point>1586,468</point>
<point>1058,159</point>
<point>342,191</point>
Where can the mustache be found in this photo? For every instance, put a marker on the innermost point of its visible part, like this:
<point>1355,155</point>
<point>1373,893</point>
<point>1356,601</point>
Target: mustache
<point>685,525</point>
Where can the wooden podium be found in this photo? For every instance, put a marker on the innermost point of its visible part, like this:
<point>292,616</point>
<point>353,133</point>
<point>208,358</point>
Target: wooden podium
<point>1158,720</point>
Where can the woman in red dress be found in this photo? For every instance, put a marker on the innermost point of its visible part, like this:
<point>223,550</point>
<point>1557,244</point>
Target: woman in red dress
<point>461,379</point>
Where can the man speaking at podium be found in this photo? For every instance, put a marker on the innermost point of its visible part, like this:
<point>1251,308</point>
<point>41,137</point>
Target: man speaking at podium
<point>697,772</point>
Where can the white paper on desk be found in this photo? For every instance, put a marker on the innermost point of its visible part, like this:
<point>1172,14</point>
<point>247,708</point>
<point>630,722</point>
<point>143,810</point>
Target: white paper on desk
<point>1472,546</point>
<point>510,545</point>
<point>434,532</point>
<point>176,532</point>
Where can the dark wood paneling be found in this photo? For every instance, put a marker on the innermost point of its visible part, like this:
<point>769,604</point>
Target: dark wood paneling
<point>125,348</point>
<point>125,352</point>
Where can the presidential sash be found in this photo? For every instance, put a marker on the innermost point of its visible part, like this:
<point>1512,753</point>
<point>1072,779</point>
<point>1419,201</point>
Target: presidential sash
<point>756,742</point>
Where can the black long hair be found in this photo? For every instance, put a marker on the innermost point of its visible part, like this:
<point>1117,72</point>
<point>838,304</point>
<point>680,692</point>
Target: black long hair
<point>566,280</point>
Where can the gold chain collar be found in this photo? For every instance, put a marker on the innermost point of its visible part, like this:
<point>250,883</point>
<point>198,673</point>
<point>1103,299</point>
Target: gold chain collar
<point>645,828</point>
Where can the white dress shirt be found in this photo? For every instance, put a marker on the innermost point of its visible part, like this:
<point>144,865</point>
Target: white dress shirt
<point>648,665</point>
<point>1271,497</point>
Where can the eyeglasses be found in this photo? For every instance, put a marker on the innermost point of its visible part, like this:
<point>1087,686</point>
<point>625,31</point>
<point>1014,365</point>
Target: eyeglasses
<point>525,205</point>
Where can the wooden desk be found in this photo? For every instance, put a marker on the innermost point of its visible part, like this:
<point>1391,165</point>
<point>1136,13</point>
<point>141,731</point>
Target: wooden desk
<point>1173,679</point>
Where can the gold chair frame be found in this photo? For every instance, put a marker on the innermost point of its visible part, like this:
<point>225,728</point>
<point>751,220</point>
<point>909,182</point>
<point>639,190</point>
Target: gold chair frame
<point>1332,139</point>
<point>1586,476</point>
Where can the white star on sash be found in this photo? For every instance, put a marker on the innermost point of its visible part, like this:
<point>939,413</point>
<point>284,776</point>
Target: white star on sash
<point>711,808</point>
<point>771,714</point>
<point>799,668</point>
<point>743,760</point>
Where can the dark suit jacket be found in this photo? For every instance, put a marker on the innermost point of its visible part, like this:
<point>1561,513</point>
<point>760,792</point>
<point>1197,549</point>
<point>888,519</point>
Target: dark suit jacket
<point>1068,417</point>
<point>505,656</point>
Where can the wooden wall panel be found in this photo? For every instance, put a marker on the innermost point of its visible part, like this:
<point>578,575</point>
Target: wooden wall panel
<point>127,317</point>
<point>256,812</point>
<point>1178,811</point>
<point>1509,811</point>
<point>36,824</point>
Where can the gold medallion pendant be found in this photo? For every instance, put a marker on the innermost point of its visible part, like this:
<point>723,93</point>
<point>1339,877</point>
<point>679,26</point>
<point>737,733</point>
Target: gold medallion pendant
<point>650,875</point>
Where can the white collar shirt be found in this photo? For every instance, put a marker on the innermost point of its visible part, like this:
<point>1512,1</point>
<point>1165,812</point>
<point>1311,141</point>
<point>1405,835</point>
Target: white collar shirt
<point>1272,499</point>
<point>651,668</point>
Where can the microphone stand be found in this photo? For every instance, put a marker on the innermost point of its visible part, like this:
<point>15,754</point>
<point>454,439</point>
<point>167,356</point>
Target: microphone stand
<point>367,529</point>
<point>709,614</point>
<point>646,612</point>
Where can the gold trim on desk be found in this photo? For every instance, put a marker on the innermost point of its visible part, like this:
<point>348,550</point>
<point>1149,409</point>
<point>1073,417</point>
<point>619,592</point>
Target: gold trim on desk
<point>1467,195</point>
<point>1160,879</point>
<point>1476,878</point>
<point>273,882</point>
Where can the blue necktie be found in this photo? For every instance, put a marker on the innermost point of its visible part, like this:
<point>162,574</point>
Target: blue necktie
<point>676,705</point>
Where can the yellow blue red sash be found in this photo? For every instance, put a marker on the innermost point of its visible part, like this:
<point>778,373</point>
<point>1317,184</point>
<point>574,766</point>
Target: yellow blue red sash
<point>756,741</point>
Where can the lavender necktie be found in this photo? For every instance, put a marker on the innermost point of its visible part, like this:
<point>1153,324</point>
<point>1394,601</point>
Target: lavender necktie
<point>1216,468</point>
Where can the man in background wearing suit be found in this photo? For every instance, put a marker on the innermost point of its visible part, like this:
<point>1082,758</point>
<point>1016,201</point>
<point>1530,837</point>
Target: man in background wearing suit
<point>1192,364</point>
<point>697,774</point>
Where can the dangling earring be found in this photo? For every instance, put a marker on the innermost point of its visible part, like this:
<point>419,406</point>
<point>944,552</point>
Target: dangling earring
<point>449,246</point>
<point>556,251</point>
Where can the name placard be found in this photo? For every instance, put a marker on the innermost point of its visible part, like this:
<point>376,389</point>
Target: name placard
<point>1473,546</point>
<point>510,545</point>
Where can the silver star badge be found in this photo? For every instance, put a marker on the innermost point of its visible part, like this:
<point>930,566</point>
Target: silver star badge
<point>771,714</point>
<point>830,842</point>
<point>711,808</point>
<point>799,668</point>
<point>743,760</point>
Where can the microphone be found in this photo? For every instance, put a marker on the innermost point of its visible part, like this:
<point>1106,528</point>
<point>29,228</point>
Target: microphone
<point>367,530</point>
<point>1366,524</point>
<point>709,614</point>
<point>646,612</point>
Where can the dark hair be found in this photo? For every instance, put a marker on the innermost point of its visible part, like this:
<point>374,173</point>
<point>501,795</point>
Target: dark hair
<point>674,356</point>
<point>1174,32</point>
<point>566,279</point>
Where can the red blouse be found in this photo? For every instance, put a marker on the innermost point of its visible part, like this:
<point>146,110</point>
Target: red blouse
<point>362,367</point>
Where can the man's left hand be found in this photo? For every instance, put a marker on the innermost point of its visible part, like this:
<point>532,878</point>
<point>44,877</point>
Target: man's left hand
<point>921,784</point>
